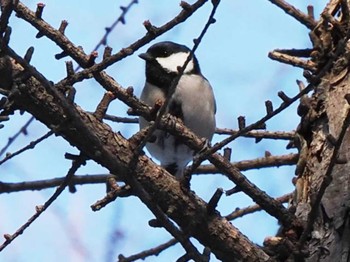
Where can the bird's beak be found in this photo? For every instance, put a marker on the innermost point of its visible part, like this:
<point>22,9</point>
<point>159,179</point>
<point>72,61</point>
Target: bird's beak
<point>146,56</point>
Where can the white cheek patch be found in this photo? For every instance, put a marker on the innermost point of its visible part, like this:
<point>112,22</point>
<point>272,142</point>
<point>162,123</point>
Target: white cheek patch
<point>172,62</point>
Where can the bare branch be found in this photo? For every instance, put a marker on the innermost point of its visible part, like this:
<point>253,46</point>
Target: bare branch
<point>48,183</point>
<point>270,161</point>
<point>291,60</point>
<point>120,19</point>
<point>42,208</point>
<point>31,145</point>
<point>306,20</point>
<point>273,161</point>
<point>254,208</point>
<point>22,130</point>
<point>150,252</point>
<point>6,10</point>
<point>259,134</point>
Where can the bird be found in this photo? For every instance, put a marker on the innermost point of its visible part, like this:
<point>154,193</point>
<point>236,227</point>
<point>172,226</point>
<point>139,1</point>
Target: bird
<point>192,101</point>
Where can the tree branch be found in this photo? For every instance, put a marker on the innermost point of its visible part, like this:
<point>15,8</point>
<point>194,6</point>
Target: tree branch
<point>306,20</point>
<point>147,253</point>
<point>254,208</point>
<point>42,208</point>
<point>114,152</point>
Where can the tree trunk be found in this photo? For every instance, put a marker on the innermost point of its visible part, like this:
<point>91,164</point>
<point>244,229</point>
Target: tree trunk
<point>322,189</point>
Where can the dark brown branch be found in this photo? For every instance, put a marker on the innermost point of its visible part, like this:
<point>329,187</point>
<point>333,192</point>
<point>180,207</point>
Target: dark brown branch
<point>254,208</point>
<point>213,202</point>
<point>112,195</point>
<point>269,204</point>
<point>241,122</point>
<point>332,7</point>
<point>286,99</point>
<point>39,10</point>
<point>6,10</point>
<point>150,252</point>
<point>310,11</point>
<point>102,107</point>
<point>227,153</point>
<point>306,20</point>
<point>269,107</point>
<point>271,161</point>
<point>63,26</point>
<point>258,134</point>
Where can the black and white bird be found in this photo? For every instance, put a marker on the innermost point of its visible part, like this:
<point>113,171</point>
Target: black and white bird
<point>192,101</point>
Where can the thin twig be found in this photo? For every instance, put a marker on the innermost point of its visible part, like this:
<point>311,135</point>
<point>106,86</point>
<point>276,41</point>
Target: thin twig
<point>120,19</point>
<point>22,130</point>
<point>123,191</point>
<point>42,208</point>
<point>109,29</point>
<point>254,208</point>
<point>31,145</point>
<point>150,252</point>
<point>118,119</point>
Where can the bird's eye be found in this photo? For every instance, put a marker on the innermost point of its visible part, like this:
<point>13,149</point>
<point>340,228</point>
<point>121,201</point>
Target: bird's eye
<point>165,53</point>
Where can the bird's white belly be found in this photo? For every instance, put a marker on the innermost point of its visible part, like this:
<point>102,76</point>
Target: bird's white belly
<point>168,150</point>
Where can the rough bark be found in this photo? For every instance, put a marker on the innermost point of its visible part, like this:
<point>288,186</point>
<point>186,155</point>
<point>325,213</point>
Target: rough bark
<point>322,194</point>
<point>329,239</point>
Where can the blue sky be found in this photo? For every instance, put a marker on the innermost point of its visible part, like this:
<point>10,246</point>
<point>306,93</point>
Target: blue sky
<point>232,55</point>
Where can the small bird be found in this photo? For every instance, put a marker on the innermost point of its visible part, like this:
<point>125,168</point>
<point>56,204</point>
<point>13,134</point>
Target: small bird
<point>192,101</point>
